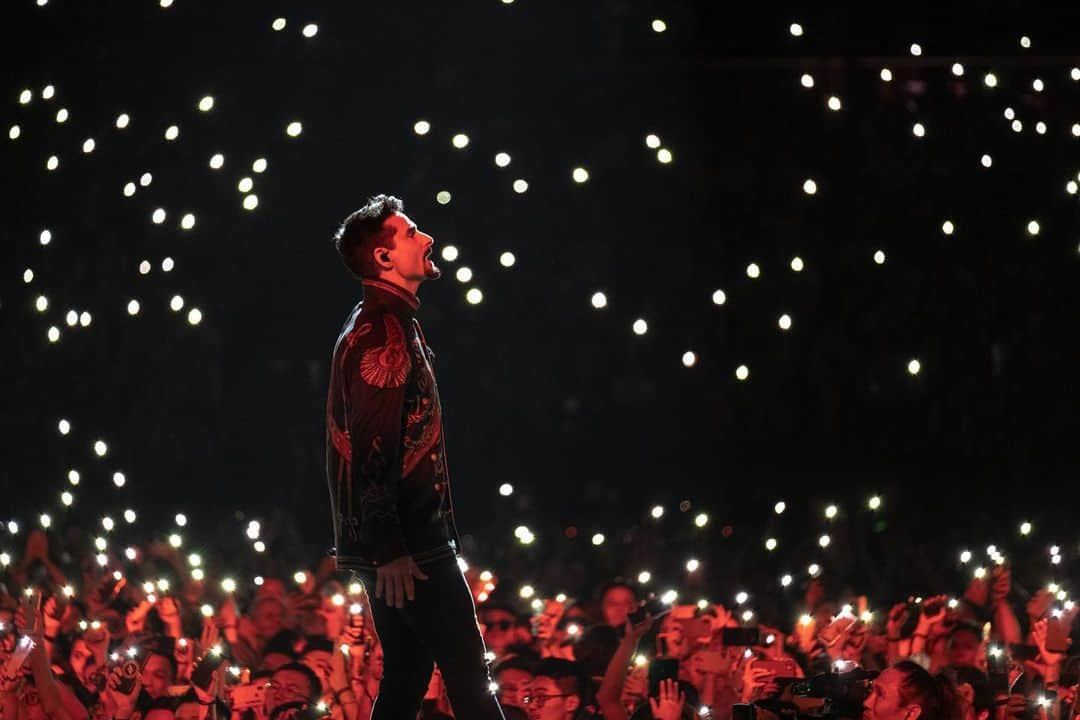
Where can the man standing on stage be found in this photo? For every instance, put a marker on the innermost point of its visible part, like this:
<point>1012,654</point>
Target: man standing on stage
<point>390,501</point>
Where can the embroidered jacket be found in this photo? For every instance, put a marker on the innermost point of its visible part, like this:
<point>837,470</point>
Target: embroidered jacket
<point>385,453</point>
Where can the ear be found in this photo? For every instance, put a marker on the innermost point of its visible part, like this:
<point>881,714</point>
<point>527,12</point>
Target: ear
<point>573,703</point>
<point>913,712</point>
<point>382,258</point>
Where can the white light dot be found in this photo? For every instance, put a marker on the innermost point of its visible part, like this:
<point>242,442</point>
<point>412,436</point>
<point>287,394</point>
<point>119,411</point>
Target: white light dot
<point>45,521</point>
<point>62,115</point>
<point>874,502</point>
<point>640,327</point>
<point>176,303</point>
<point>657,512</point>
<point>506,489</point>
<point>780,507</point>
<point>957,69</point>
<point>1037,85</point>
<point>159,216</point>
<point>785,580</point>
<point>598,300</point>
<point>144,267</point>
<point>1070,187</point>
<point>814,570</point>
<point>770,544</point>
<point>918,130</point>
<point>72,318</point>
<point>809,186</point>
<point>580,175</point>
<point>168,264</point>
<point>824,541</point>
<point>449,253</point>
<point>598,539</point>
<point>442,197</point>
<point>122,121</point>
<point>753,271</point>
<point>26,96</point>
<point>88,145</point>
<point>65,427</point>
<point>644,576</point>
<point>259,546</point>
<point>45,237</point>
<point>701,520</point>
<point>664,156</point>
<point>1076,129</point>
<point>48,91</point>
<point>67,498</point>
<point>206,104</point>
<point>251,202</point>
<point>834,103</point>
<point>133,307</point>
<point>460,140</point>
<point>422,127</point>
<point>14,132</point>
<point>474,296</point>
<point>797,264</point>
<point>1025,42</point>
<point>52,163</point>
<point>1040,127</point>
<point>194,316</point>
<point>28,276</point>
<point>885,75</point>
<point>742,373</point>
<point>948,228</point>
<point>1033,227</point>
<point>652,141</point>
<point>692,565</point>
<point>85,319</point>
<point>507,259</point>
<point>294,128</point>
<point>165,3</point>
<point>259,166</point>
<point>279,24</point>
<point>188,221</point>
<point>965,556</point>
<point>129,189</point>
<point>172,132</point>
<point>502,159</point>
<point>990,79</point>
<point>807,80</point>
<point>145,179</point>
<point>689,358</point>
<point>796,29</point>
<point>42,303</point>
<point>520,186</point>
<point>245,185</point>
<point>916,49</point>
<point>831,511</point>
<point>719,297</point>
<point>659,26</point>
<point>784,322</point>
<point>217,161</point>
<point>879,257</point>
<point>100,448</point>
<point>180,519</point>
<point>914,366</point>
<point>464,274</point>
<point>1025,528</point>
<point>986,161</point>
<point>1075,73</point>
<point>310,30</point>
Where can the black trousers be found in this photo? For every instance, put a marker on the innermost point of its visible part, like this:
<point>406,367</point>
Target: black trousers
<point>439,626</point>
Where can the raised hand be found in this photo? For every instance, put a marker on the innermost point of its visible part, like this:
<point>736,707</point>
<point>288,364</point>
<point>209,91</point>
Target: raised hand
<point>669,705</point>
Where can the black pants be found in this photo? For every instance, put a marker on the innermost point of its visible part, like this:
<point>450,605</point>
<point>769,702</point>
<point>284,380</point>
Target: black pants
<point>439,626</point>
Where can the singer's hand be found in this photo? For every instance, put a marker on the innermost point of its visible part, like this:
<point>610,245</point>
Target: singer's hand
<point>395,578</point>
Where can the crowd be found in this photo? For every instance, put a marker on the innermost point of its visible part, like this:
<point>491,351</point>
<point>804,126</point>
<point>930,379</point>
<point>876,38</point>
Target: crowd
<point>143,639</point>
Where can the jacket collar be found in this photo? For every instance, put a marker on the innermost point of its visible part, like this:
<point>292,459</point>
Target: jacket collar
<point>394,297</point>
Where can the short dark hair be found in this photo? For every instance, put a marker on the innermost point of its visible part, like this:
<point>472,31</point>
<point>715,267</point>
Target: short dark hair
<point>568,675</point>
<point>313,679</point>
<point>363,231</point>
<point>934,694</point>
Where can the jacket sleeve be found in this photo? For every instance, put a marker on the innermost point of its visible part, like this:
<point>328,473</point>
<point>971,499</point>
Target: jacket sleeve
<point>377,369</point>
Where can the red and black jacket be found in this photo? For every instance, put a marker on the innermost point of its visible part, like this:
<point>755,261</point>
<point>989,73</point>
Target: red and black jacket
<point>385,451</point>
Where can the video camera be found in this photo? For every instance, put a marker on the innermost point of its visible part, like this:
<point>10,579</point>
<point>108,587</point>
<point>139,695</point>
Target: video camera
<point>829,695</point>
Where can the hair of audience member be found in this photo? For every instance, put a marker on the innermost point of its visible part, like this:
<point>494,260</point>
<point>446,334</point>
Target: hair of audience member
<point>963,627</point>
<point>595,648</point>
<point>980,685</point>
<point>936,696</point>
<point>516,662</point>
<point>317,642</point>
<point>570,677</point>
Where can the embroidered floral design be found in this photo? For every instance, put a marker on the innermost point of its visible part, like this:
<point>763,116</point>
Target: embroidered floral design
<point>387,366</point>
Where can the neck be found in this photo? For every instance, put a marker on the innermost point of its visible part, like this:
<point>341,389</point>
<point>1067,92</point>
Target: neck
<point>387,288</point>
<point>395,278</point>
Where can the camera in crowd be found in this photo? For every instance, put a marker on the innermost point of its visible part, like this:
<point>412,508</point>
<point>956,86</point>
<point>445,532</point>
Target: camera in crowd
<point>829,695</point>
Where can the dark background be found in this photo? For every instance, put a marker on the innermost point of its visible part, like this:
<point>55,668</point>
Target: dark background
<point>590,423</point>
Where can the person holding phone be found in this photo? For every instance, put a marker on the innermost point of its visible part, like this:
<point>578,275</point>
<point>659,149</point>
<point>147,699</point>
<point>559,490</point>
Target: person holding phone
<point>391,509</point>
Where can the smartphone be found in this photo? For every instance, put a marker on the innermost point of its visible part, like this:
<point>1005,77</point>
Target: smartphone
<point>249,695</point>
<point>1057,635</point>
<point>785,667</point>
<point>662,669</point>
<point>31,602</point>
<point>740,636</point>
<point>18,656</point>
<point>203,671</point>
<point>997,669</point>
<point>653,606</point>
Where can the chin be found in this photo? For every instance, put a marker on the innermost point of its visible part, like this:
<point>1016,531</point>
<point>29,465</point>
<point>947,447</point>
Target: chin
<point>432,271</point>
